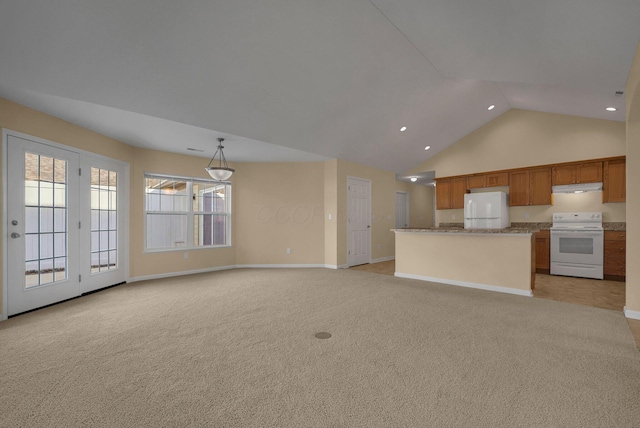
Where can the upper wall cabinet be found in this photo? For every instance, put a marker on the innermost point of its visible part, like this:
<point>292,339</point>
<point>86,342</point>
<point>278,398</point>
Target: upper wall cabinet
<point>450,193</point>
<point>614,187</point>
<point>478,181</point>
<point>531,186</point>
<point>588,172</point>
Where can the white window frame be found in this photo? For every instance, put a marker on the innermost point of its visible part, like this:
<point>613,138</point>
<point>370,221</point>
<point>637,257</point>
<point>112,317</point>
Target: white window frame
<point>190,213</point>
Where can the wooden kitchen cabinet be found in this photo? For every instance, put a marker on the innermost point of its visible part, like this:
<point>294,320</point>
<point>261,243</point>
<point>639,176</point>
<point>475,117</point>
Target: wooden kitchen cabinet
<point>543,251</point>
<point>587,172</point>
<point>615,250</point>
<point>478,181</point>
<point>530,186</point>
<point>614,185</point>
<point>450,193</point>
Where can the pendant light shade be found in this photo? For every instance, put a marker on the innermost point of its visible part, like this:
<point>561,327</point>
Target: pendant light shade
<point>221,172</point>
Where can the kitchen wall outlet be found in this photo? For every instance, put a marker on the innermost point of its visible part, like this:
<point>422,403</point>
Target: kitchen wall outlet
<point>453,216</point>
<point>288,250</point>
<point>186,255</point>
<point>330,216</point>
<point>526,215</point>
<point>379,246</point>
<point>388,217</point>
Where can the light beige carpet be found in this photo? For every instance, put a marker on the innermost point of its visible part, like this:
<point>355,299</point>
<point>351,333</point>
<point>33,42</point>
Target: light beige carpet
<point>237,349</point>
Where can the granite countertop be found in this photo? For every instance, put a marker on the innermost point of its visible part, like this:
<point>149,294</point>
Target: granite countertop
<point>516,227</point>
<point>615,226</point>
<point>457,229</point>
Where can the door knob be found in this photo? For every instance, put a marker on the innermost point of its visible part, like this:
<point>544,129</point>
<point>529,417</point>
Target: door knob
<point>15,235</point>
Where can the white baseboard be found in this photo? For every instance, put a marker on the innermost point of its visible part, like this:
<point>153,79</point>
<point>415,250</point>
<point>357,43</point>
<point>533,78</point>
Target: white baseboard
<point>336,266</point>
<point>634,315</point>
<point>383,259</point>
<point>487,287</point>
<point>276,266</point>
<point>180,273</point>
<point>217,268</point>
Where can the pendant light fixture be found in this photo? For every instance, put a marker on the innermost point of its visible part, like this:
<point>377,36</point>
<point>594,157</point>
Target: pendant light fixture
<point>221,172</point>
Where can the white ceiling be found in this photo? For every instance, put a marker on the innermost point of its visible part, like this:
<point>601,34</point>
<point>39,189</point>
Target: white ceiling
<point>313,79</point>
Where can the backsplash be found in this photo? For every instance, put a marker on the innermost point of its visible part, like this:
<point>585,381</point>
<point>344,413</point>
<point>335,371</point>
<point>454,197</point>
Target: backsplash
<point>562,202</point>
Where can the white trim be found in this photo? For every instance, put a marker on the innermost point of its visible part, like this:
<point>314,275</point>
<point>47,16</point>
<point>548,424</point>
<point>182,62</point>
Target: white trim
<point>382,259</point>
<point>276,266</point>
<point>336,266</point>
<point>467,284</point>
<point>179,273</point>
<point>635,315</point>
<point>5,262</point>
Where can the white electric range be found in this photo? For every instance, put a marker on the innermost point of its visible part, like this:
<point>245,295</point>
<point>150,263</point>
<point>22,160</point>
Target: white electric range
<point>577,244</point>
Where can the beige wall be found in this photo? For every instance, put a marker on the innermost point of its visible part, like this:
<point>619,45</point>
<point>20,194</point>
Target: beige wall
<point>281,206</point>
<point>331,210</point>
<point>520,138</point>
<point>633,184</point>
<point>421,203</point>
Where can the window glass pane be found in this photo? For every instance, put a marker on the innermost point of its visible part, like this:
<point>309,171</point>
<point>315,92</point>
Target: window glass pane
<point>60,268</point>
<point>60,244</point>
<point>46,194</point>
<point>166,231</point>
<point>46,169</point>
<point>60,171</point>
<point>46,245</point>
<point>95,241</point>
<point>31,167</point>
<point>31,219</point>
<point>59,220</point>
<point>46,219</point>
<point>104,240</point>
<point>32,246</point>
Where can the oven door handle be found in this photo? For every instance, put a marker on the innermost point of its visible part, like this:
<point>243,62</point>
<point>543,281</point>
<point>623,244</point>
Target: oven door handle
<point>574,233</point>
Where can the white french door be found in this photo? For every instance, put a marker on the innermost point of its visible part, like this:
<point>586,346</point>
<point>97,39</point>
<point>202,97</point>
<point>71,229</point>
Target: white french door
<point>42,225</point>
<point>104,217</point>
<point>358,221</point>
<point>66,223</point>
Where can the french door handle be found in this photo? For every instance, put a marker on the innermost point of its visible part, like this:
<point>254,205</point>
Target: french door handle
<point>15,235</point>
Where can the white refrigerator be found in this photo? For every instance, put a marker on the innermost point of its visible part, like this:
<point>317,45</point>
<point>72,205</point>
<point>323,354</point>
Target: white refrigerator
<point>488,210</point>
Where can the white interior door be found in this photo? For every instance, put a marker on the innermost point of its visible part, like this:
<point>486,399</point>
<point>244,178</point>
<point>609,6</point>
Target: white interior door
<point>402,210</point>
<point>42,225</point>
<point>358,221</point>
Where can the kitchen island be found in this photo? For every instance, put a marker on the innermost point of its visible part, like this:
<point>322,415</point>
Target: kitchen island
<point>490,259</point>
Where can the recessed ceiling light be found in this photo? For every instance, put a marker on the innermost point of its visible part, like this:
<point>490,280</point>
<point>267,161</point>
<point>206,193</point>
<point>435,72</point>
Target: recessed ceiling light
<point>611,109</point>
<point>427,148</point>
<point>414,179</point>
<point>491,107</point>
<point>404,128</point>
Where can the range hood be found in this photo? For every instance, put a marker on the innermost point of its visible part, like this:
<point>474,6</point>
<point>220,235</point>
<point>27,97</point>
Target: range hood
<point>577,188</point>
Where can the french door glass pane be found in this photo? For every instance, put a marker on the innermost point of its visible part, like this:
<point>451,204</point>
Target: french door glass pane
<point>104,194</point>
<point>45,198</point>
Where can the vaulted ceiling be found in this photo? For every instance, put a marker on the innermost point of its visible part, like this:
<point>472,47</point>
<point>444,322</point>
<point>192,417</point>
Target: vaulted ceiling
<point>313,79</point>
